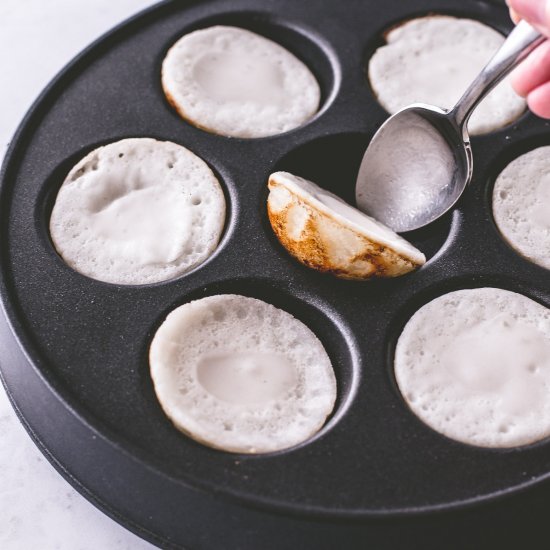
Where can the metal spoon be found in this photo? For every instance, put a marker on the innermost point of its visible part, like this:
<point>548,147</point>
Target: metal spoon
<point>419,162</point>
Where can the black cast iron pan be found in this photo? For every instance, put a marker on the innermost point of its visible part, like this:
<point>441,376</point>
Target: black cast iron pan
<point>74,350</point>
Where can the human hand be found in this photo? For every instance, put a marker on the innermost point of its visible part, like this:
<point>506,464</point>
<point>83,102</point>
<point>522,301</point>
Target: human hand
<point>532,78</point>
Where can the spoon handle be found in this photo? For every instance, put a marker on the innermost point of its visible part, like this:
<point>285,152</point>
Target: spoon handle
<point>520,42</point>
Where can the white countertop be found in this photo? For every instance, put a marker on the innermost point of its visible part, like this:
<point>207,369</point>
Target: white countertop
<point>39,509</point>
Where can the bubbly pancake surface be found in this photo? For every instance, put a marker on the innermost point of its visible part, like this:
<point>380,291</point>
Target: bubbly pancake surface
<point>521,205</point>
<point>241,375</point>
<point>433,60</point>
<point>138,211</point>
<point>234,82</point>
<point>475,366</point>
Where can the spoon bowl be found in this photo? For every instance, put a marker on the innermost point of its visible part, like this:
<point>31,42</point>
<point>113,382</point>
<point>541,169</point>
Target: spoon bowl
<point>415,168</point>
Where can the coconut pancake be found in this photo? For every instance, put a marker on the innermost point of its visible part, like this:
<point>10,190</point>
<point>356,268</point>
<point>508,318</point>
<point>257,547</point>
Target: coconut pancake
<point>521,205</point>
<point>325,233</point>
<point>238,374</point>
<point>433,60</point>
<point>234,82</point>
<point>475,366</point>
<point>138,211</point>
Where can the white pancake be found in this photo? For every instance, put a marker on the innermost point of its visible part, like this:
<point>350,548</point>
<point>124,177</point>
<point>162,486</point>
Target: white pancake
<point>327,234</point>
<point>241,375</point>
<point>138,211</point>
<point>433,60</point>
<point>475,366</point>
<point>521,205</point>
<point>233,82</point>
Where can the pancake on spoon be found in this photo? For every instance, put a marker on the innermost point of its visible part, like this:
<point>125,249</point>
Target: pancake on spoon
<point>327,234</point>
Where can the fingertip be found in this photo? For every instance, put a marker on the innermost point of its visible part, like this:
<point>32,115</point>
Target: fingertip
<point>539,100</point>
<point>533,71</point>
<point>537,12</point>
<point>516,18</point>
<point>517,79</point>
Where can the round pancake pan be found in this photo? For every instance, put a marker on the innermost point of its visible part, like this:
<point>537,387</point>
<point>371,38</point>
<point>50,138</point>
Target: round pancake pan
<point>74,350</point>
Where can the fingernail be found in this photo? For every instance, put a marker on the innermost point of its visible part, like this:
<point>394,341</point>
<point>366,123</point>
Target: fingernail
<point>516,18</point>
<point>532,10</point>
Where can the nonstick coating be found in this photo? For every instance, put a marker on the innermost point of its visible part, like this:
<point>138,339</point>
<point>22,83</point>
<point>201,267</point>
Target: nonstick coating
<point>74,357</point>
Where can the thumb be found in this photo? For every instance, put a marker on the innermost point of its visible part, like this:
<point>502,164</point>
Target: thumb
<point>536,12</point>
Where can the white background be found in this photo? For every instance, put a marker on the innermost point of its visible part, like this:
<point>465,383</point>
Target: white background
<point>38,509</point>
